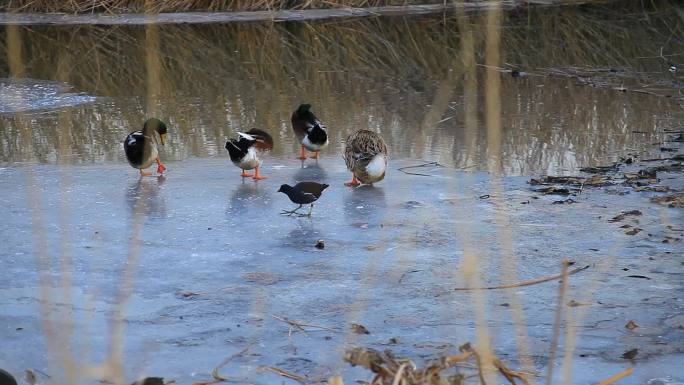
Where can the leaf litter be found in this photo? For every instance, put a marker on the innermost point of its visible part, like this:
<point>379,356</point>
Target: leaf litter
<point>454,369</point>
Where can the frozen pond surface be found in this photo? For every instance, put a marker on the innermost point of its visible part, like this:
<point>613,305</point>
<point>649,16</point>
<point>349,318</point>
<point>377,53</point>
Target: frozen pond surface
<point>391,260</point>
<point>209,261</point>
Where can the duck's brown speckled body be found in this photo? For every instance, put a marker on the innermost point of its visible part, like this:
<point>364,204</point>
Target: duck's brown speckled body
<point>365,155</point>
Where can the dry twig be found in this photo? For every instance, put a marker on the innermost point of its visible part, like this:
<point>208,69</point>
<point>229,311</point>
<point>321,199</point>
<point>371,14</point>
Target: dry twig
<point>509,374</point>
<point>285,373</point>
<point>217,377</point>
<point>293,325</point>
<point>557,320</point>
<point>524,283</point>
<point>300,325</point>
<point>436,164</point>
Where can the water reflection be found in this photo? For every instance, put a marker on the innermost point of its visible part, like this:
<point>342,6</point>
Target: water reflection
<point>248,195</point>
<point>144,196</point>
<point>399,76</point>
<point>310,171</point>
<point>364,204</point>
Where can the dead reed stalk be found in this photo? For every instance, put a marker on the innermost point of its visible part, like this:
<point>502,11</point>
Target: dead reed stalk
<point>557,321</point>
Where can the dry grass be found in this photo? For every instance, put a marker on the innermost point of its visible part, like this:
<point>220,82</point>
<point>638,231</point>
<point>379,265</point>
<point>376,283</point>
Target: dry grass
<point>390,370</point>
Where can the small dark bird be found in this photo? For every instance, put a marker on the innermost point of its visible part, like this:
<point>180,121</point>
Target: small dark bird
<point>6,378</point>
<point>303,193</point>
<point>630,354</point>
<point>309,131</point>
<point>245,151</point>
<point>141,146</point>
<point>152,381</point>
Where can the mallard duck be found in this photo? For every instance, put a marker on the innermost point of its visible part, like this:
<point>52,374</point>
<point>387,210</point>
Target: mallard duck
<point>246,149</point>
<point>309,131</point>
<point>303,193</point>
<point>141,146</point>
<point>365,154</point>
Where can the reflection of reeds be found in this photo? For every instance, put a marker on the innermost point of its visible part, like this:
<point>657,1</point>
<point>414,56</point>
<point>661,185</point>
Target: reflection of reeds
<point>215,79</point>
<point>58,323</point>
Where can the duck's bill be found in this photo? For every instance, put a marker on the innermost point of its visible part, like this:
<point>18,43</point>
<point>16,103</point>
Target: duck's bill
<point>163,138</point>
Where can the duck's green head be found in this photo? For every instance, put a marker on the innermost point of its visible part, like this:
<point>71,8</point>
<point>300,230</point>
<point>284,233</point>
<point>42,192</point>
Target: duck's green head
<point>303,109</point>
<point>156,125</point>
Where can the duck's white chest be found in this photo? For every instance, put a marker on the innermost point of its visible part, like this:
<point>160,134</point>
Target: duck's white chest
<point>249,161</point>
<point>312,146</point>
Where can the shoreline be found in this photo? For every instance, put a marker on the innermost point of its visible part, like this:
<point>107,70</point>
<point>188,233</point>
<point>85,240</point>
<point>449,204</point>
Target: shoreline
<point>198,17</point>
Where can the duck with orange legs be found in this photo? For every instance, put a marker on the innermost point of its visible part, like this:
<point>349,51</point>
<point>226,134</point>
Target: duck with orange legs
<point>365,155</point>
<point>245,151</point>
<point>141,147</point>
<point>310,132</point>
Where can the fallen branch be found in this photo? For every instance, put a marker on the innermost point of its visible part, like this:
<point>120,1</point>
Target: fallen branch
<point>524,283</point>
<point>616,377</point>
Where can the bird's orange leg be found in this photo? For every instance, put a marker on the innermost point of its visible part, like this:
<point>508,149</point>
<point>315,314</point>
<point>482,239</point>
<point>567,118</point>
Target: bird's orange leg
<point>315,155</point>
<point>302,153</point>
<point>245,174</point>
<point>354,182</point>
<point>160,167</point>
<point>256,174</point>
<point>144,173</point>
